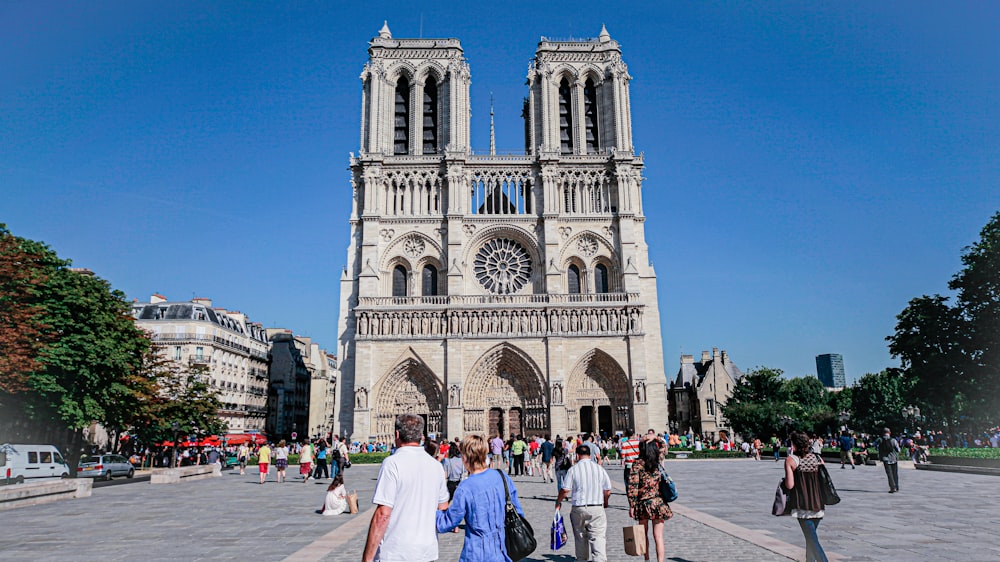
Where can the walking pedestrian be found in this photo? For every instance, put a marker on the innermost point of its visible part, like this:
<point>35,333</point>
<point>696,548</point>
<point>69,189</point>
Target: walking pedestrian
<point>644,500</point>
<point>263,461</point>
<point>242,454</point>
<point>802,481</point>
<point>496,451</point>
<point>517,449</point>
<point>280,460</point>
<point>561,461</point>
<point>776,447</point>
<point>547,449</point>
<point>322,471</point>
<point>305,460</point>
<point>480,500</point>
<point>409,491</point>
<point>846,449</point>
<point>590,487</point>
<point>630,451</point>
<point>453,469</point>
<point>888,452</point>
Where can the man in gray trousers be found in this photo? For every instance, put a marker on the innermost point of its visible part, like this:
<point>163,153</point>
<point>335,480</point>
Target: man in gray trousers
<point>888,451</point>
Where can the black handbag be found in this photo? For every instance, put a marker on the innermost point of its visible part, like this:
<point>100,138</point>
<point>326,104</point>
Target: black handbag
<point>520,537</point>
<point>830,496</point>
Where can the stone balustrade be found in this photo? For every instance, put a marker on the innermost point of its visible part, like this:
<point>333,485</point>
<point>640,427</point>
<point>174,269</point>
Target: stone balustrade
<point>505,322</point>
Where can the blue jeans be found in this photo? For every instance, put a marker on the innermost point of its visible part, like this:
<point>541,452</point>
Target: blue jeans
<point>814,552</point>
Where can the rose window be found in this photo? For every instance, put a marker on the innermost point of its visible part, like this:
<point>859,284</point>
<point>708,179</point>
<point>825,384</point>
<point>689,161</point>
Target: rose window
<point>502,266</point>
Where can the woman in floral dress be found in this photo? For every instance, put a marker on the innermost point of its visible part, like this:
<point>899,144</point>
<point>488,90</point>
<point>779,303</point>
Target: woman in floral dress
<point>644,501</point>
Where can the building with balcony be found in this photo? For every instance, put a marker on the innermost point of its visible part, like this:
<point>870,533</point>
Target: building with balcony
<point>498,293</point>
<point>233,349</point>
<point>698,392</point>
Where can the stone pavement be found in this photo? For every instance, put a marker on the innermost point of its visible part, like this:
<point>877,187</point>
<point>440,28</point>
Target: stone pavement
<point>937,516</point>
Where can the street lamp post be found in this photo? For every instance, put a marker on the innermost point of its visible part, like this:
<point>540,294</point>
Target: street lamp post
<point>176,427</point>
<point>845,416</point>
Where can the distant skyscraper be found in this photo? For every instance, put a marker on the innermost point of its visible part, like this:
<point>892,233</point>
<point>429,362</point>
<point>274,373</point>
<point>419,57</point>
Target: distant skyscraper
<point>830,370</point>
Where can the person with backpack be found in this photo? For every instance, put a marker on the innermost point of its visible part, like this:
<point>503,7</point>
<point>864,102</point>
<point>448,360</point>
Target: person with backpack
<point>562,462</point>
<point>888,452</point>
<point>846,449</point>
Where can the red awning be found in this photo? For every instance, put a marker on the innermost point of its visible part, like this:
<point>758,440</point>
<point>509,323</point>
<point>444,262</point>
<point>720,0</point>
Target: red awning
<point>241,438</point>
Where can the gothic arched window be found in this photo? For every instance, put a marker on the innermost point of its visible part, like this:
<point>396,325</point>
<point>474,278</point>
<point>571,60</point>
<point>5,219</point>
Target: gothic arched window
<point>565,118</point>
<point>590,116</point>
<point>601,278</point>
<point>573,280</point>
<point>401,124</point>
<point>430,281</point>
<point>399,281</point>
<point>430,117</point>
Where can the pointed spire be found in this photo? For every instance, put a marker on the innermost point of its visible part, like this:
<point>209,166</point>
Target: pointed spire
<point>493,139</point>
<point>384,33</point>
<point>604,37</point>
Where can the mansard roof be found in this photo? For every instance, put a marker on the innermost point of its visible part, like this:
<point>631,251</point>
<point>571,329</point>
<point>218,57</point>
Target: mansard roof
<point>196,312</point>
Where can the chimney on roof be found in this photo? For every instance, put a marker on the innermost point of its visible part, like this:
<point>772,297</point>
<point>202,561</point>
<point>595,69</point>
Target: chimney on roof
<point>203,301</point>
<point>715,353</point>
<point>157,298</point>
<point>725,356</point>
<point>687,359</point>
<point>705,357</point>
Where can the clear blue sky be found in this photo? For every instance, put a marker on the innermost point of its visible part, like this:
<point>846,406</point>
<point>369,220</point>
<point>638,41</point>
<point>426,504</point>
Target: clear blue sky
<point>810,168</point>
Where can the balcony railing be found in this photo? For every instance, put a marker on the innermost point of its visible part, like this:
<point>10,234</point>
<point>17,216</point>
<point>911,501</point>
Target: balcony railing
<point>479,300</point>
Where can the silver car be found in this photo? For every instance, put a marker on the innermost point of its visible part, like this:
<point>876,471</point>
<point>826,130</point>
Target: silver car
<point>104,466</point>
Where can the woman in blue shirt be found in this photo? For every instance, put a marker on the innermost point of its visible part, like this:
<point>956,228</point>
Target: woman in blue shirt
<point>480,500</point>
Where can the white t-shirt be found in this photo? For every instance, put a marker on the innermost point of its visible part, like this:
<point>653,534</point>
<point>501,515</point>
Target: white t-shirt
<point>412,483</point>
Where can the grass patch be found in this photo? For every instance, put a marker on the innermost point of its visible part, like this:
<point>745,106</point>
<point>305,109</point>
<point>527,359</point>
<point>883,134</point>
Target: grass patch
<point>967,453</point>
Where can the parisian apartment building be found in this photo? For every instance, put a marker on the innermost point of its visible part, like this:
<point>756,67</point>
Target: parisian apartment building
<point>232,348</point>
<point>303,387</point>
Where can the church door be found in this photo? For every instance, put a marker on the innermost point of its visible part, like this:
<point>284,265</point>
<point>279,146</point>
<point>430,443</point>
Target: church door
<point>604,420</point>
<point>496,422</point>
<point>515,421</point>
<point>587,419</point>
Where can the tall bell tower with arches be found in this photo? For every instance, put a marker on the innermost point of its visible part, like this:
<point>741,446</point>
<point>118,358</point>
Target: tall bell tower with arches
<point>498,293</point>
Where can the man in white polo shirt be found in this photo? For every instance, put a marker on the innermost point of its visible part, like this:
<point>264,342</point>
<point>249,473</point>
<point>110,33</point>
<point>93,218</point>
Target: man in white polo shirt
<point>410,489</point>
<point>590,487</point>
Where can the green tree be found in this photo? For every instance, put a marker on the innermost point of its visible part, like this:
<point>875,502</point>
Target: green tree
<point>22,332</point>
<point>87,366</point>
<point>932,342</point>
<point>758,404</point>
<point>879,400</point>
<point>978,287</point>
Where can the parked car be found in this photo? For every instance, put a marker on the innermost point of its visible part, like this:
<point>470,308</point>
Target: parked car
<point>230,460</point>
<point>20,462</point>
<point>105,466</point>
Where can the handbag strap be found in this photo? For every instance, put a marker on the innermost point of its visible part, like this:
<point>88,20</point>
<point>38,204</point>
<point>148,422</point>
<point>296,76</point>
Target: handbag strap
<point>504,480</point>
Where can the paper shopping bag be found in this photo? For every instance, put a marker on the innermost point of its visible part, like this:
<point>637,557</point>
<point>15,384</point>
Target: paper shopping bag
<point>558,534</point>
<point>352,502</point>
<point>635,540</point>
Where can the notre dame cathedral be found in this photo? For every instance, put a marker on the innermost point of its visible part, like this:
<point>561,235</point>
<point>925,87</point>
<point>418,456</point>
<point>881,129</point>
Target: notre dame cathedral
<point>498,293</point>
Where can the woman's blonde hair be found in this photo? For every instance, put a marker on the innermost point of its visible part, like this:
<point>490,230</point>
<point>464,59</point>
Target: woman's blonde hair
<point>474,451</point>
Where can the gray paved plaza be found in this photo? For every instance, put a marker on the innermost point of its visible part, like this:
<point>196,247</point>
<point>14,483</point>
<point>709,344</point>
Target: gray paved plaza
<point>937,516</point>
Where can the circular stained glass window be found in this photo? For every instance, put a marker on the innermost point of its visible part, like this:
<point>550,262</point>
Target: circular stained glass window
<point>502,266</point>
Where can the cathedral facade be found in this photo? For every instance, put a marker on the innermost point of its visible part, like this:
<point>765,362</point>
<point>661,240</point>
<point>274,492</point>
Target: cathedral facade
<point>498,293</point>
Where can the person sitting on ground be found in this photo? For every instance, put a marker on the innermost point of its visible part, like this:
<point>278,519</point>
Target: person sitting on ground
<point>336,497</point>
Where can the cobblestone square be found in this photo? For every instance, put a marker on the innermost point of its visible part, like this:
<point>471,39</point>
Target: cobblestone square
<point>723,514</point>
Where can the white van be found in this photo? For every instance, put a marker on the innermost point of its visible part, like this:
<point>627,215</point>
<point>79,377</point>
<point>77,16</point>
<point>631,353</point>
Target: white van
<point>21,462</point>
